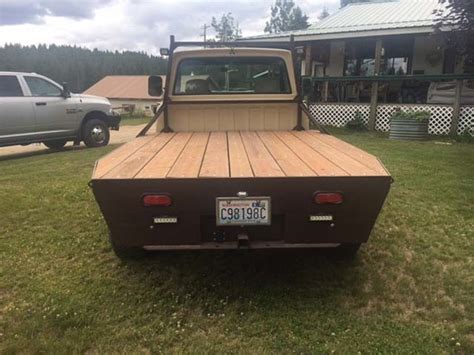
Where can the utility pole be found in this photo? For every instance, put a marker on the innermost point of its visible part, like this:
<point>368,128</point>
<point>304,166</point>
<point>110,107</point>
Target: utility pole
<point>204,33</point>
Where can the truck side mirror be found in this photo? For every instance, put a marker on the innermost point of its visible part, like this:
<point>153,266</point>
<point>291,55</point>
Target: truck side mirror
<point>155,85</point>
<point>65,92</point>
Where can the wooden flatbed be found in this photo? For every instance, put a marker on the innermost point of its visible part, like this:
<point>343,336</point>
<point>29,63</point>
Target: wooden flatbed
<point>262,154</point>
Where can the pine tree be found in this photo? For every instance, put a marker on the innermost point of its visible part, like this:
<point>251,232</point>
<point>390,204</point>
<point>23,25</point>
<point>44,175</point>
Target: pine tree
<point>323,14</point>
<point>285,16</point>
<point>460,15</point>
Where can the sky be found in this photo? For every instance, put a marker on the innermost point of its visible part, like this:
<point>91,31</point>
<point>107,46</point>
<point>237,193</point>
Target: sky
<point>137,25</point>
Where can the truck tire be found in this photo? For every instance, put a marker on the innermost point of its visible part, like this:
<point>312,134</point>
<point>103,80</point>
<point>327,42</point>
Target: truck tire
<point>56,144</point>
<point>95,133</point>
<point>127,253</point>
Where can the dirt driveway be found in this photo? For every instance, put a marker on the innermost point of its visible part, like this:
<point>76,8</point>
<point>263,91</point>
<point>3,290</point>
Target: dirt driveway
<point>125,134</point>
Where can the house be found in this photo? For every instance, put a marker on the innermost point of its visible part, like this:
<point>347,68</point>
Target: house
<point>374,57</point>
<point>126,92</point>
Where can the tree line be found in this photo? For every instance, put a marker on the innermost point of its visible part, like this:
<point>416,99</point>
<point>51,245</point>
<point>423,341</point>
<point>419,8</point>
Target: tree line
<point>79,67</point>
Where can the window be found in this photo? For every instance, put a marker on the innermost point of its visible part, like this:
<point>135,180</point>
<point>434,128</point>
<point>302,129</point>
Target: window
<point>232,75</point>
<point>359,59</point>
<point>395,66</point>
<point>9,86</point>
<point>397,55</point>
<point>41,87</point>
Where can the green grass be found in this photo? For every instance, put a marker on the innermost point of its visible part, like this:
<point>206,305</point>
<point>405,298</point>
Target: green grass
<point>134,121</point>
<point>409,291</point>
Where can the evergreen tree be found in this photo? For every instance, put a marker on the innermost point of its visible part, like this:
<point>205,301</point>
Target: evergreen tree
<point>79,67</point>
<point>460,15</point>
<point>285,16</point>
<point>227,29</point>
<point>323,14</point>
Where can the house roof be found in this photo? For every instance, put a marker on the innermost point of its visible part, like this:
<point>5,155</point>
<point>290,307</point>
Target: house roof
<point>395,16</point>
<point>122,87</point>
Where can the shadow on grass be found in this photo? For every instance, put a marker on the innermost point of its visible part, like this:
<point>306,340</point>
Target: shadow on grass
<point>35,153</point>
<point>278,276</point>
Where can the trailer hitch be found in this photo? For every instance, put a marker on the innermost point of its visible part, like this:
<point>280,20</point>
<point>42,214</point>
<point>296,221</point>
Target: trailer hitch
<point>243,241</point>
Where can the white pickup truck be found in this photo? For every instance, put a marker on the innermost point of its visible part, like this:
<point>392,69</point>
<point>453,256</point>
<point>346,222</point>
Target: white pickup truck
<point>35,109</point>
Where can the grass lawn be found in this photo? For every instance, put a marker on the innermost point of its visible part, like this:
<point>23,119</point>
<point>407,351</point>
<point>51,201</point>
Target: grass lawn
<point>134,121</point>
<point>409,291</point>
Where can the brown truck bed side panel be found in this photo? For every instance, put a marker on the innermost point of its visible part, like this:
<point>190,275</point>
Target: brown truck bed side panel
<point>194,202</point>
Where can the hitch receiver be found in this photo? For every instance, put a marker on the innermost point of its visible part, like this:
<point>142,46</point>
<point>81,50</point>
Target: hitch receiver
<point>242,241</point>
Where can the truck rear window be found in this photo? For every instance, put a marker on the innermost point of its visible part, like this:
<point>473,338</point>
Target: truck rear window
<point>232,75</point>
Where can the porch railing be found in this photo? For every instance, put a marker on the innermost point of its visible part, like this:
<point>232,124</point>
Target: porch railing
<point>446,119</point>
<point>338,114</point>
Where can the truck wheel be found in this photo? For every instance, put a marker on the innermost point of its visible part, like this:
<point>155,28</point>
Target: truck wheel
<point>95,133</point>
<point>127,253</point>
<point>56,144</point>
<point>347,250</point>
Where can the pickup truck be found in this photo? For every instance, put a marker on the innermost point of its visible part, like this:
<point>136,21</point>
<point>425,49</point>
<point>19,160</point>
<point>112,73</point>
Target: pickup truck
<point>235,163</point>
<point>35,109</point>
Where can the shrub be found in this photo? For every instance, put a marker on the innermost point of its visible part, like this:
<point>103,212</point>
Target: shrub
<point>421,116</point>
<point>357,124</point>
<point>467,136</point>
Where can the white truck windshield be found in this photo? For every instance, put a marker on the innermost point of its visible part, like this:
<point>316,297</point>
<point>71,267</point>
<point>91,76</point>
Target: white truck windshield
<point>232,75</point>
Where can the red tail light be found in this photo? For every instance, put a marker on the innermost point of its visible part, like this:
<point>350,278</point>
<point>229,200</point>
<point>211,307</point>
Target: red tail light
<point>157,200</point>
<point>328,198</point>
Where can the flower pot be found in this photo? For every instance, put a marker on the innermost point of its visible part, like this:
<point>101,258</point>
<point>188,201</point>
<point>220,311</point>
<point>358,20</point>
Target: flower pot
<point>406,129</point>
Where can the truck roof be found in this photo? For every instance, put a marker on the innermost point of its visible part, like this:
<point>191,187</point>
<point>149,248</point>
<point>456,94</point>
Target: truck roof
<point>266,51</point>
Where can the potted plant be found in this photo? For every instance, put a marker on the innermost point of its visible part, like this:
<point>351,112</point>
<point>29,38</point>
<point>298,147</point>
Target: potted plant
<point>409,125</point>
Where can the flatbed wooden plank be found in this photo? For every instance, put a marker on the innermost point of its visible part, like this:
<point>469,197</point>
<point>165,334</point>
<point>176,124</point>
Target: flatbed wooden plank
<point>238,160</point>
<point>288,161</point>
<point>189,161</point>
<point>159,166</point>
<point>111,160</point>
<point>318,163</point>
<point>361,156</point>
<point>128,168</point>
<point>216,158</point>
<point>237,154</point>
<point>262,162</point>
<point>352,166</point>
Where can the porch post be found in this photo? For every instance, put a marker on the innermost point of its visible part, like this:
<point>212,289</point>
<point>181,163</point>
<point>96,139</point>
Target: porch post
<point>325,91</point>
<point>375,85</point>
<point>307,60</point>
<point>456,108</point>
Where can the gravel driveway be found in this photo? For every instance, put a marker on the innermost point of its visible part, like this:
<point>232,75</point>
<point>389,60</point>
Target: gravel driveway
<point>125,134</point>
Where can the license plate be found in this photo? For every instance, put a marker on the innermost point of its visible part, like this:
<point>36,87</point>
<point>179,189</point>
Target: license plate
<point>243,211</point>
